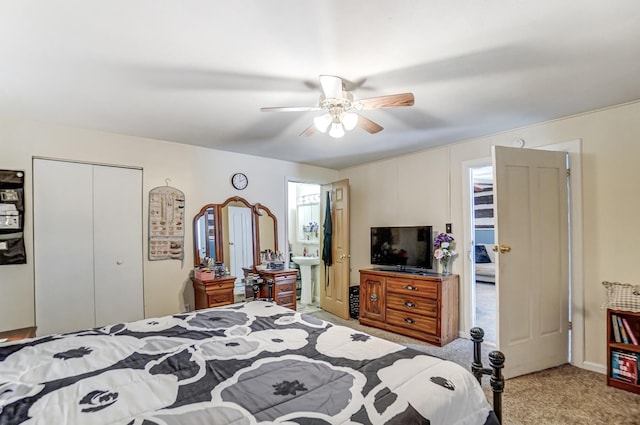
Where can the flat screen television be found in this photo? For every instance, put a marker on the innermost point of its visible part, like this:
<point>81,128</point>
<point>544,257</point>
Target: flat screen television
<point>402,246</point>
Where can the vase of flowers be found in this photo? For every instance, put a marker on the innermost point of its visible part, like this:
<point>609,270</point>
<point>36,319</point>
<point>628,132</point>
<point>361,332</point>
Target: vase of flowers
<point>444,245</point>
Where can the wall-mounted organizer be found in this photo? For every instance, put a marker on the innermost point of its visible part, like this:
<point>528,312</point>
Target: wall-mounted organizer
<point>12,217</point>
<point>166,223</point>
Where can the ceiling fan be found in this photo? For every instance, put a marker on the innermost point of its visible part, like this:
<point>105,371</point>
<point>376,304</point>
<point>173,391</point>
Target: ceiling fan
<point>342,111</point>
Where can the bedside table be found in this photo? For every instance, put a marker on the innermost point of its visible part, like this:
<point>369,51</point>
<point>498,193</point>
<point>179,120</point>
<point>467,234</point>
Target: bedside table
<point>17,334</point>
<point>213,292</point>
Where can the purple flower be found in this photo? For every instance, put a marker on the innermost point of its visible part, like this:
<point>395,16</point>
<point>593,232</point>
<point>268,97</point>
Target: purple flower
<point>441,238</point>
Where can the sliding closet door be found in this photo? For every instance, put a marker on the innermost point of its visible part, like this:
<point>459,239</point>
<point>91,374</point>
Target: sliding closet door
<point>63,248</point>
<point>117,212</point>
<point>87,245</point>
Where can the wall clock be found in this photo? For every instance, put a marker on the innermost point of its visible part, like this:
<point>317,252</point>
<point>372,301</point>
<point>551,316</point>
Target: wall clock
<point>239,181</point>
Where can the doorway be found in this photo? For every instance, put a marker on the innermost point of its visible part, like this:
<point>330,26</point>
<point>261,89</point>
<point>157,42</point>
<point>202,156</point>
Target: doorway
<point>303,231</point>
<point>576,274</point>
<point>483,257</point>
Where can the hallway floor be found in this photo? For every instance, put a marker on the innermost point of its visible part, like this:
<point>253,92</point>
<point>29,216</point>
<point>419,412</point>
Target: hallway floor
<point>486,310</point>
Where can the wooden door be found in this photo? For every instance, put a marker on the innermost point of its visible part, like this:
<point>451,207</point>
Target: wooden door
<point>372,297</point>
<point>334,280</point>
<point>532,278</point>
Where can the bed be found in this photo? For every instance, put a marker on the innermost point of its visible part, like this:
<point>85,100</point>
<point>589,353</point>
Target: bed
<point>248,363</point>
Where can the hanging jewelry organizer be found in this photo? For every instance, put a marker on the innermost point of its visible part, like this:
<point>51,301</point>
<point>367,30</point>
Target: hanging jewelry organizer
<point>166,223</point>
<point>12,217</point>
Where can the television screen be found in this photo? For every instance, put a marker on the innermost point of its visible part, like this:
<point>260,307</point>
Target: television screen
<point>408,246</point>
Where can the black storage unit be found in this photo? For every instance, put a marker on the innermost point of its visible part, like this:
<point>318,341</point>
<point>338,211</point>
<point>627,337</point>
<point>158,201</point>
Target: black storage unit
<point>12,250</point>
<point>354,302</point>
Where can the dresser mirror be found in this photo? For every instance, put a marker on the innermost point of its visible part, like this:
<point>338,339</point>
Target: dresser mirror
<point>234,233</point>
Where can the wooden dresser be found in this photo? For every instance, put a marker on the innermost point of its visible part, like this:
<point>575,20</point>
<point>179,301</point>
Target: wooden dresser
<point>18,334</point>
<point>213,292</point>
<point>284,289</point>
<point>424,307</point>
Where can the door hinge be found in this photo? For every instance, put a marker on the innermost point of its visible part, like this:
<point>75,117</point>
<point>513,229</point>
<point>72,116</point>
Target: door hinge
<point>568,172</point>
<point>570,327</point>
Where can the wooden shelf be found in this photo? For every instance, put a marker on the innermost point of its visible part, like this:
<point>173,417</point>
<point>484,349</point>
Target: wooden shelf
<point>633,320</point>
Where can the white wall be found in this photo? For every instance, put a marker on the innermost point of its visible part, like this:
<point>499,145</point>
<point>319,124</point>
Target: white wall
<point>404,191</point>
<point>202,174</point>
<point>414,189</point>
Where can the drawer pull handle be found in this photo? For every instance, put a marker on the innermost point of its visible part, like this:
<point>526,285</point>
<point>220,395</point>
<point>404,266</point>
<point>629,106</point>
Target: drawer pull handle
<point>373,297</point>
<point>410,288</point>
<point>410,321</point>
<point>408,304</point>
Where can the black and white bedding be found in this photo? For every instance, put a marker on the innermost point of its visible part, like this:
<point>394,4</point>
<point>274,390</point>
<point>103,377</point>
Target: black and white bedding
<point>250,363</point>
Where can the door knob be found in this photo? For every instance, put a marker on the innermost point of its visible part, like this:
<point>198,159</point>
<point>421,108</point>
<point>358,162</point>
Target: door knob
<point>502,248</point>
<point>343,256</point>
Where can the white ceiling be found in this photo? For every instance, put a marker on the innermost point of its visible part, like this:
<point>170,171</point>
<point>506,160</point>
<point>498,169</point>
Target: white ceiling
<point>197,72</point>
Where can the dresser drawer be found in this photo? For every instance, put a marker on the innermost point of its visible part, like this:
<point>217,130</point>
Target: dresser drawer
<point>413,287</point>
<point>287,300</point>
<point>221,297</point>
<point>413,304</point>
<point>413,321</point>
<point>287,285</point>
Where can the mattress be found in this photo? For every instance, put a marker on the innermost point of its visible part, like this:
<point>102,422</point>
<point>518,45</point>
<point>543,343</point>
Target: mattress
<point>249,363</point>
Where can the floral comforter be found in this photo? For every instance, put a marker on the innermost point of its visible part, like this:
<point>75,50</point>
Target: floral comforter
<point>251,363</point>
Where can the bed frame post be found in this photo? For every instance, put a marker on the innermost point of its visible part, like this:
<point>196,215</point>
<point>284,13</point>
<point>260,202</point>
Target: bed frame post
<point>496,360</point>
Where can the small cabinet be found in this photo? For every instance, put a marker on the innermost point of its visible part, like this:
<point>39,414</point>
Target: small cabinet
<point>214,292</point>
<point>623,350</point>
<point>420,306</point>
<point>284,288</point>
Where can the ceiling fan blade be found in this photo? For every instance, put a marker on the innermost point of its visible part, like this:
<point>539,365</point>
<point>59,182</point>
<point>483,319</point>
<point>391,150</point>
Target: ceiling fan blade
<point>331,86</point>
<point>368,125</point>
<point>291,108</point>
<point>390,101</point>
<point>309,130</point>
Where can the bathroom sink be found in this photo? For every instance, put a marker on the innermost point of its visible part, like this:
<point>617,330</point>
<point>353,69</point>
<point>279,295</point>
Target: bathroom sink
<point>306,261</point>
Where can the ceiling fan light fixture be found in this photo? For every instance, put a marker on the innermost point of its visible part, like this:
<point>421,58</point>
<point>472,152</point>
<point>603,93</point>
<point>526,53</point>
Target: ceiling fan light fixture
<point>349,120</point>
<point>337,130</point>
<point>322,122</point>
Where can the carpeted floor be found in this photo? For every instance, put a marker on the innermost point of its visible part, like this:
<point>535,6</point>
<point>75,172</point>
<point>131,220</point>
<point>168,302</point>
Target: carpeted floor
<point>565,395</point>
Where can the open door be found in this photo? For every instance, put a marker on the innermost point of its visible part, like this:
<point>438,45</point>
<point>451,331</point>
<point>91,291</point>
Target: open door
<point>532,278</point>
<point>334,279</point>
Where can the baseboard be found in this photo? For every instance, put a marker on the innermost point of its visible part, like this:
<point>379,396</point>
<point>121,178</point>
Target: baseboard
<point>593,367</point>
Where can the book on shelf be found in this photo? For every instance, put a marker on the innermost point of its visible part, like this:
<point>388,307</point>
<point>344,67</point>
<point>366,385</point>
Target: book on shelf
<point>616,329</point>
<point>630,333</point>
<point>624,366</point>
<point>623,333</point>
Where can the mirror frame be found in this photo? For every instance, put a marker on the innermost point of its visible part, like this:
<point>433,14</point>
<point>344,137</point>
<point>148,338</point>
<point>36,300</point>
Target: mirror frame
<point>217,220</point>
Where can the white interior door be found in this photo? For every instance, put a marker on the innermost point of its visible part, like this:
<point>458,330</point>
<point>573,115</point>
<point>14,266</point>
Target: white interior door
<point>63,246</point>
<point>87,245</point>
<point>240,240</point>
<point>532,278</point>
<point>118,244</point>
